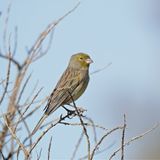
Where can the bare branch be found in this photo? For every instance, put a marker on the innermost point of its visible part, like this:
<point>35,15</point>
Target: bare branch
<point>102,138</point>
<point>101,69</point>
<point>44,52</point>
<point>26,153</point>
<point>57,121</point>
<point>12,60</point>
<point>94,128</point>
<point>12,104</point>
<point>123,135</point>
<point>134,139</point>
<point>22,114</point>
<point>15,40</point>
<point>83,126</point>
<point>26,126</point>
<point>34,110</point>
<point>77,146</point>
<point>35,49</point>
<point>6,26</point>
<point>49,148</point>
<point>7,80</point>
<point>39,155</point>
<point>79,124</point>
<point>2,155</point>
<point>23,88</point>
<point>31,93</point>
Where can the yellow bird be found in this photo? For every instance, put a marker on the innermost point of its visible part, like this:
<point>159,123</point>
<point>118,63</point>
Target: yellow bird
<point>71,85</point>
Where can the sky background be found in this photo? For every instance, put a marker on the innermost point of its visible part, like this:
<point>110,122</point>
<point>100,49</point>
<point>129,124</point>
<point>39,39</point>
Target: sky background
<point>124,32</point>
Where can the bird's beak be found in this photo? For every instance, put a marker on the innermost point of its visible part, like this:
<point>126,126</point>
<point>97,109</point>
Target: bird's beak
<point>89,61</point>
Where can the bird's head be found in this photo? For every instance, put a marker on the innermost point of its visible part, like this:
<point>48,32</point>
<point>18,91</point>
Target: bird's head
<point>80,61</point>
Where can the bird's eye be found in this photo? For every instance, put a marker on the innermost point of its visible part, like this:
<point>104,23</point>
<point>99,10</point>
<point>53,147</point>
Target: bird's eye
<point>81,58</point>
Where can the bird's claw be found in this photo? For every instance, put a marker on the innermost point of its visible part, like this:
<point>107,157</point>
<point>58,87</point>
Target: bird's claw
<point>70,113</point>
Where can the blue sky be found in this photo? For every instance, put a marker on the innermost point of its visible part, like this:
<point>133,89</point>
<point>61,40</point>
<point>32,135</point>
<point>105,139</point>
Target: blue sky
<point>125,33</point>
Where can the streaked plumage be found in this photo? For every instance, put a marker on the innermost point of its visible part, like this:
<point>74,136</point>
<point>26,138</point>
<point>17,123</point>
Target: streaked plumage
<point>73,82</point>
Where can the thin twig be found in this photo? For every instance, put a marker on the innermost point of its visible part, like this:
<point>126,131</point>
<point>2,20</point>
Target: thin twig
<point>35,109</point>
<point>39,155</point>
<point>78,124</point>
<point>102,138</point>
<point>101,69</point>
<point>26,153</point>
<point>98,151</point>
<point>43,52</point>
<point>6,26</point>
<point>26,126</point>
<point>134,139</point>
<point>94,128</point>
<point>49,148</point>
<point>21,117</point>
<point>7,80</point>
<point>2,155</point>
<point>2,81</point>
<point>123,136</point>
<point>12,60</point>
<point>31,93</point>
<point>57,121</point>
<point>77,146</point>
<point>34,50</point>
<point>15,40</point>
<point>83,126</point>
<point>23,88</point>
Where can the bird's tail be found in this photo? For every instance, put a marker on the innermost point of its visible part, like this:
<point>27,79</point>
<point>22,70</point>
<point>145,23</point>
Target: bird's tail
<point>39,124</point>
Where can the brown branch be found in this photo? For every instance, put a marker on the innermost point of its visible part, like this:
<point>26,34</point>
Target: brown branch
<point>49,148</point>
<point>2,155</point>
<point>98,152</point>
<point>94,128</point>
<point>6,26</point>
<point>57,121</point>
<point>101,69</point>
<point>77,146</point>
<point>31,93</point>
<point>34,110</point>
<point>134,139</point>
<point>17,64</point>
<point>26,126</point>
<point>26,153</point>
<point>2,81</point>
<point>22,118</point>
<point>123,136</point>
<point>39,155</point>
<point>7,80</point>
<point>22,71</point>
<point>12,104</point>
<point>79,124</point>
<point>102,138</point>
<point>34,50</point>
<point>43,52</point>
<point>15,40</point>
<point>22,114</point>
<point>83,126</point>
<point>23,88</point>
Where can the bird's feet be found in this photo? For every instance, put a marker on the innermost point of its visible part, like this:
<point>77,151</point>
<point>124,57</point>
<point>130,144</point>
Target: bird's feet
<point>73,113</point>
<point>70,113</point>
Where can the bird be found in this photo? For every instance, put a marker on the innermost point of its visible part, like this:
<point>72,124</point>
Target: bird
<point>70,86</point>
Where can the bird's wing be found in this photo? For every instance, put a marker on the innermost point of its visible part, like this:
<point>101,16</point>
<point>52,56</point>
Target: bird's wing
<point>69,81</point>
